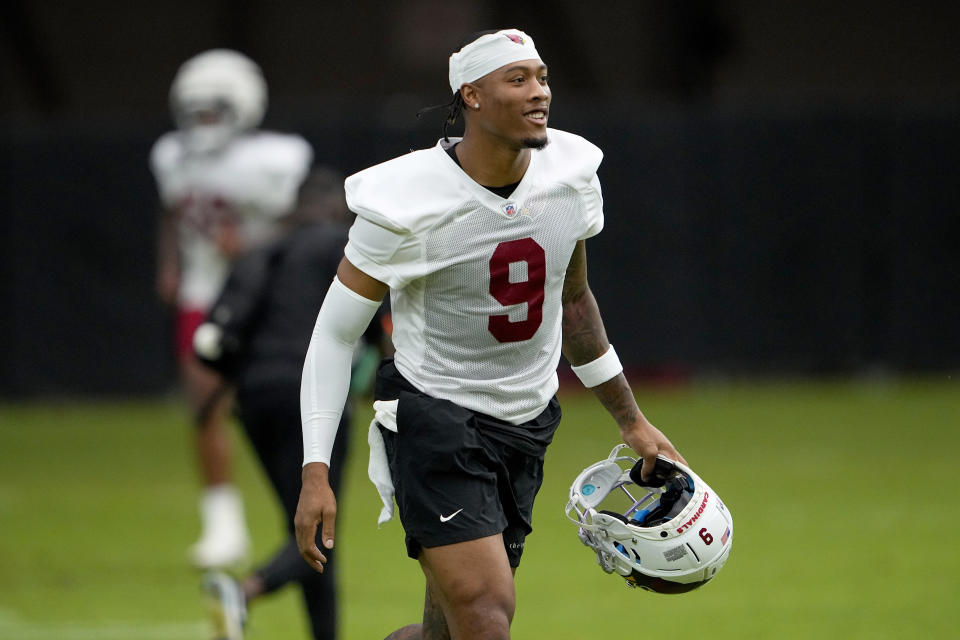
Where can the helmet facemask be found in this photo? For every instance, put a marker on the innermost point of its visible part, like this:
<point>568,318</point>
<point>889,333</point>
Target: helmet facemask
<point>207,125</point>
<point>670,534</point>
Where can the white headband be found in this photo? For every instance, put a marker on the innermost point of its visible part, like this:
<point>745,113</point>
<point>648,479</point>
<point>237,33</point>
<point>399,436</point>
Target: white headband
<point>488,53</point>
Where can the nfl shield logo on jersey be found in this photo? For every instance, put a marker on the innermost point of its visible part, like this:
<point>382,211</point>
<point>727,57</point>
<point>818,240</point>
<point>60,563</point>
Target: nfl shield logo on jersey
<point>510,209</point>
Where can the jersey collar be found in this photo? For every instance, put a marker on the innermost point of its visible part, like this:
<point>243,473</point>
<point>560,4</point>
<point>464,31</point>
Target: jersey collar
<point>480,192</point>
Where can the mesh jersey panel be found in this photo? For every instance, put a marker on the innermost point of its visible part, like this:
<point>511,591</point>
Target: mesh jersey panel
<point>456,356</point>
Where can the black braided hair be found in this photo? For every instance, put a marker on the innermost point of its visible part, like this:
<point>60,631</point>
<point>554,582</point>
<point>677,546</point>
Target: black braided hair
<point>456,105</point>
<point>454,109</point>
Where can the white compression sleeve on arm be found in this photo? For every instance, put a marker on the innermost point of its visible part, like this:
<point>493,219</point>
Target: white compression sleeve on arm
<point>344,316</point>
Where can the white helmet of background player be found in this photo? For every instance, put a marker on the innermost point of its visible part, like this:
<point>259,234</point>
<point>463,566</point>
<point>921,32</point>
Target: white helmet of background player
<point>216,95</point>
<point>670,534</point>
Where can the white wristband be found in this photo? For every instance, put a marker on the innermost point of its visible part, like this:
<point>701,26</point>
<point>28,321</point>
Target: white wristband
<point>600,370</point>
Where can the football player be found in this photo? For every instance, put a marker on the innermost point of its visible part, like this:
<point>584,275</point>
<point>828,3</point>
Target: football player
<point>481,243</point>
<point>256,336</point>
<point>223,184</point>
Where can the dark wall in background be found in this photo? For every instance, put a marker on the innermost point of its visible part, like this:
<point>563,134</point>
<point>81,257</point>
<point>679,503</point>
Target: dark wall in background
<point>744,242</point>
<point>817,243</point>
<point>780,177</point>
<point>106,56</point>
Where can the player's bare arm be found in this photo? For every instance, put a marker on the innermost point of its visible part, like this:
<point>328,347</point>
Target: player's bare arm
<point>585,340</point>
<point>360,282</point>
<point>168,261</point>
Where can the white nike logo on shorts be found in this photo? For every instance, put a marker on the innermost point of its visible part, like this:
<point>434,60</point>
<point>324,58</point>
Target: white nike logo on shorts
<point>444,518</point>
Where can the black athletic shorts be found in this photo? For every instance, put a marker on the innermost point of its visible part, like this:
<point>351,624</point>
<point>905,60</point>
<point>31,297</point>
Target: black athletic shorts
<point>461,475</point>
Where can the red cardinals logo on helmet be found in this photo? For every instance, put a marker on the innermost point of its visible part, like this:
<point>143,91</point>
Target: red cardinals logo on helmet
<point>514,38</point>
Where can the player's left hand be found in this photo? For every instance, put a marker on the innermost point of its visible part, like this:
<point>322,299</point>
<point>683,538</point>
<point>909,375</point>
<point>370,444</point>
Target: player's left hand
<point>648,441</point>
<point>229,238</point>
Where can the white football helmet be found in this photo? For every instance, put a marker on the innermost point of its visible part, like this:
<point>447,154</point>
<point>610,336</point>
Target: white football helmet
<point>671,534</point>
<point>215,95</point>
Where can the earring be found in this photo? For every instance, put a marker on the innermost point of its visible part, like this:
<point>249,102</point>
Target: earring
<point>476,105</point>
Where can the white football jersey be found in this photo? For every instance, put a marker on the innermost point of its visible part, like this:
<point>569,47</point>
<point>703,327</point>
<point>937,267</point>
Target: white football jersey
<point>476,279</point>
<point>253,181</point>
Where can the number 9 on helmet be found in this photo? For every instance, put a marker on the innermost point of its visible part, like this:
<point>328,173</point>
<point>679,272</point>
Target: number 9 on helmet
<point>671,534</point>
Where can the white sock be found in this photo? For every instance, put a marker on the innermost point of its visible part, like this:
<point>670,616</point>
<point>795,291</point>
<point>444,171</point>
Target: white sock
<point>222,506</point>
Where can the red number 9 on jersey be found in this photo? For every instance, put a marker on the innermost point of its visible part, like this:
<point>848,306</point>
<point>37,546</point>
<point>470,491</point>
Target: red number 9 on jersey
<point>510,293</point>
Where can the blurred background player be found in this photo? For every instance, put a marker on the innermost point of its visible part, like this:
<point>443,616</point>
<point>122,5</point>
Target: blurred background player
<point>223,184</point>
<point>256,337</point>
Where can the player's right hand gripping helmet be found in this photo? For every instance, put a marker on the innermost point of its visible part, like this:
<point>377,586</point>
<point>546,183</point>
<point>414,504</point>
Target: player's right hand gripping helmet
<point>671,534</point>
<point>215,95</point>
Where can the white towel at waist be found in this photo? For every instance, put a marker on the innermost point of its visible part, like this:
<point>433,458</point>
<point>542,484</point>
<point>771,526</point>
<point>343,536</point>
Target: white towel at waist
<point>378,469</point>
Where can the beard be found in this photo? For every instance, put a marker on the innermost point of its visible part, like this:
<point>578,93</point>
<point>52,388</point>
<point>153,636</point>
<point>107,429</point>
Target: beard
<point>535,143</point>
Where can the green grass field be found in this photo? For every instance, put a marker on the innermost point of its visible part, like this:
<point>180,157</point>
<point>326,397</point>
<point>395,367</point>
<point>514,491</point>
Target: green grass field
<point>846,524</point>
